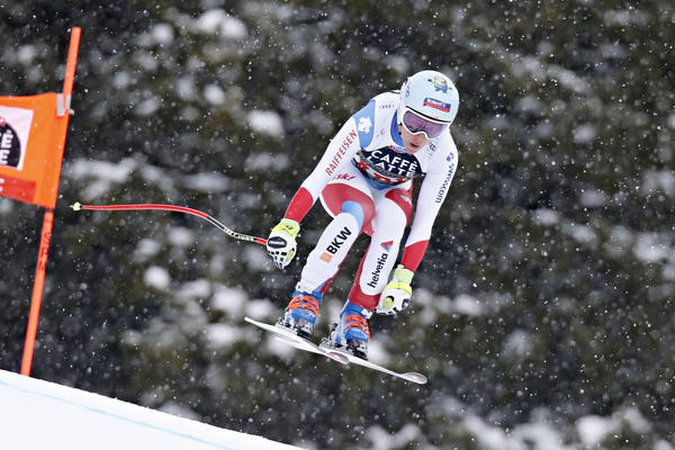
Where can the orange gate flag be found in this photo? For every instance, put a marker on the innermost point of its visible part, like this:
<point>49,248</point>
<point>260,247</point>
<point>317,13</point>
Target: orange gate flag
<point>32,140</point>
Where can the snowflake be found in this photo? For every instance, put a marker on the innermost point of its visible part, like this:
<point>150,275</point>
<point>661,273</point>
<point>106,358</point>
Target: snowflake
<point>365,124</point>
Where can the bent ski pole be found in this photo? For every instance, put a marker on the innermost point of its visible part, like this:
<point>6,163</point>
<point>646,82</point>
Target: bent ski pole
<point>77,206</point>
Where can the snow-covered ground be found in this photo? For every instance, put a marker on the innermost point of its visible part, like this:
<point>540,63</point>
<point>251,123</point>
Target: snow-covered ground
<point>36,414</point>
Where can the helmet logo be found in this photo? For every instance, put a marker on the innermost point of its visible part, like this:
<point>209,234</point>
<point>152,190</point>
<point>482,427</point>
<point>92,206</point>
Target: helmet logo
<point>437,104</point>
<point>440,84</point>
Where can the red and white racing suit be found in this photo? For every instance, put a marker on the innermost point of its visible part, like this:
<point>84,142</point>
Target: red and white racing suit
<point>365,180</point>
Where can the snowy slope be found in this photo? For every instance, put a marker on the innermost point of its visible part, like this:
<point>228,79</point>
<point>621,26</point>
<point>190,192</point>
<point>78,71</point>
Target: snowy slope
<point>36,414</point>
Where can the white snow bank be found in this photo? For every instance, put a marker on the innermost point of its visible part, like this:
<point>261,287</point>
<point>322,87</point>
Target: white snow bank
<point>536,436</point>
<point>217,21</point>
<point>266,122</point>
<point>593,429</point>
<point>40,414</point>
<point>157,277</point>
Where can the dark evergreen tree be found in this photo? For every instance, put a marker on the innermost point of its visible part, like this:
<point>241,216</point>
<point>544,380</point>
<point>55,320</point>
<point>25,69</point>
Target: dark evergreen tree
<point>547,293</point>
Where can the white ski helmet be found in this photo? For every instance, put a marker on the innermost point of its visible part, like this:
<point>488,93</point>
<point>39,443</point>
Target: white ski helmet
<point>431,95</point>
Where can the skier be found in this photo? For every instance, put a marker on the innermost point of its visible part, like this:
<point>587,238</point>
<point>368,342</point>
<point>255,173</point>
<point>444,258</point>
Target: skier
<point>365,182</point>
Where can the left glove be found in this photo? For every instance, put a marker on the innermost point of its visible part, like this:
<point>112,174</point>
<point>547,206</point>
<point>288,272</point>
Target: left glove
<point>281,245</point>
<point>397,294</point>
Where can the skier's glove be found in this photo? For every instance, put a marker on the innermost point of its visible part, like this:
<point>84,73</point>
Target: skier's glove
<point>396,295</point>
<point>281,244</point>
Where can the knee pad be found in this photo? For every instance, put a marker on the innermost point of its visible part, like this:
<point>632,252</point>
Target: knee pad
<point>356,210</point>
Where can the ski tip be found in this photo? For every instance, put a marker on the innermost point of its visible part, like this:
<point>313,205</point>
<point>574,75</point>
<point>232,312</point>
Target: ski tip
<point>415,377</point>
<point>76,206</point>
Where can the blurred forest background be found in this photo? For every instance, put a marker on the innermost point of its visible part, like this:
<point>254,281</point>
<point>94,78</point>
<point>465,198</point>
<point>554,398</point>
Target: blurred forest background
<point>543,313</point>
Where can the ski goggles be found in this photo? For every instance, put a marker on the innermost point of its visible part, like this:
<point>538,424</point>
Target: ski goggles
<point>416,124</point>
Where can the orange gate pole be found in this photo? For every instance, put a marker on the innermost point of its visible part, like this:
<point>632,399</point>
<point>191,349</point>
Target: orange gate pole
<point>48,222</point>
<point>38,289</point>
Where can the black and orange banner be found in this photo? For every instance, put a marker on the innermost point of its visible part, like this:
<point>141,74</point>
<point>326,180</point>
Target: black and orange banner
<point>32,140</point>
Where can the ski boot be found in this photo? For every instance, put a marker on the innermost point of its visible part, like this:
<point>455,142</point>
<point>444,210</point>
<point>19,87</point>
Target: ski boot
<point>301,313</point>
<point>351,332</point>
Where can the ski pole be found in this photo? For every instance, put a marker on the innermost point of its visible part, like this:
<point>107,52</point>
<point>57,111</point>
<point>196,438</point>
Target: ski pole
<point>77,206</point>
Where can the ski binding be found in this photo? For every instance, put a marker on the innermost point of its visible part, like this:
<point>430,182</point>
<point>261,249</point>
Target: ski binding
<point>326,349</point>
<point>289,337</point>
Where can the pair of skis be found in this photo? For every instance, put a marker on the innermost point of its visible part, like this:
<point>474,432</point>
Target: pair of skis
<point>343,357</point>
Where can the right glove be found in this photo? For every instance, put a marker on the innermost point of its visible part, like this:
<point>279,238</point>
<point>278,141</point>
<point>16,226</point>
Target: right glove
<point>396,295</point>
<point>281,245</point>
